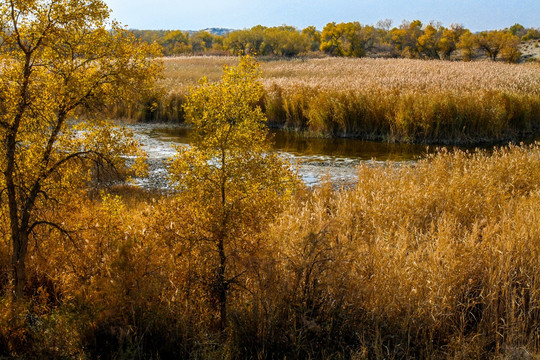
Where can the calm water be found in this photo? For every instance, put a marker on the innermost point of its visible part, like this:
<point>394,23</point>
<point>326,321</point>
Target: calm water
<point>314,157</point>
<point>299,146</point>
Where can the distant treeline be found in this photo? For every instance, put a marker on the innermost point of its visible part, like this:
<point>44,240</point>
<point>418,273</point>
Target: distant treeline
<point>410,40</point>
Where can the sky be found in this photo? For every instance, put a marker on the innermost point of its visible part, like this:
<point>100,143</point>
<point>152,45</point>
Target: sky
<point>240,14</point>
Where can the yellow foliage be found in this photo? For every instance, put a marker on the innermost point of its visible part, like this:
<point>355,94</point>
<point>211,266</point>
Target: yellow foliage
<point>231,180</point>
<point>432,259</point>
<point>56,60</point>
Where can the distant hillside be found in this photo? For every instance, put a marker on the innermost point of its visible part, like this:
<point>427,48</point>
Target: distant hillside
<point>214,31</point>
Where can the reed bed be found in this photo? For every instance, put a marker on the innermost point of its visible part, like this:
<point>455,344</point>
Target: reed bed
<point>433,260</point>
<point>384,99</point>
<point>406,100</point>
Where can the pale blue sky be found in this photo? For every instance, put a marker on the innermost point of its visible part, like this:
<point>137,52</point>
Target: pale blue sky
<point>239,14</point>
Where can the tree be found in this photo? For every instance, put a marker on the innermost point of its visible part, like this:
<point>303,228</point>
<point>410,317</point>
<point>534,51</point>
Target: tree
<point>510,50</point>
<point>450,38</point>
<point>176,42</point>
<point>285,41</point>
<point>517,30</point>
<point>491,43</point>
<point>357,39</point>
<point>495,42</point>
<point>348,39</point>
<point>236,42</point>
<point>414,31</point>
<point>314,37</point>
<point>351,39</point>
<point>202,41</point>
<point>331,42</point>
<point>531,34</point>
<point>232,181</point>
<point>467,44</point>
<point>405,38</point>
<point>59,58</point>
<point>428,44</point>
<point>385,24</point>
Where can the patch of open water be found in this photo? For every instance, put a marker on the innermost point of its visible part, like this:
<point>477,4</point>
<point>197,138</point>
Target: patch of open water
<point>315,158</point>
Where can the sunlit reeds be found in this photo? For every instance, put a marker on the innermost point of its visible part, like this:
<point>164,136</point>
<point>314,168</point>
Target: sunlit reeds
<point>435,259</point>
<point>385,99</point>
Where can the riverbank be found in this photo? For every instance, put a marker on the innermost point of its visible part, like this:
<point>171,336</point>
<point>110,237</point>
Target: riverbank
<point>390,100</point>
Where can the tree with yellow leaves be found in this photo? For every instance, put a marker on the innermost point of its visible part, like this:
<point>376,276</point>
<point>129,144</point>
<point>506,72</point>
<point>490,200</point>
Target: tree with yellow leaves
<point>59,58</point>
<point>235,185</point>
<point>467,44</point>
<point>428,43</point>
<point>498,42</point>
<point>450,39</point>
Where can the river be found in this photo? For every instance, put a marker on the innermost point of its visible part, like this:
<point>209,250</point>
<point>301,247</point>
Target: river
<point>315,158</point>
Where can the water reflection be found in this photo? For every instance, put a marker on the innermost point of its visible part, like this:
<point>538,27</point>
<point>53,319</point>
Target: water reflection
<point>315,158</point>
<point>300,146</point>
<point>345,147</point>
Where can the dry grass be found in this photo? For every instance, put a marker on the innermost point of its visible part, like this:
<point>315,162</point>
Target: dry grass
<point>437,260</point>
<point>401,75</point>
<point>434,260</point>
<point>385,99</point>
<point>180,73</point>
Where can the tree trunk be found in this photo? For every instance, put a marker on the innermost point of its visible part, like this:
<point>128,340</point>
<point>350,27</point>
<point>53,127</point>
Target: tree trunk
<point>18,262</point>
<point>19,245</point>
<point>222,282</point>
<point>19,238</point>
<point>222,286</point>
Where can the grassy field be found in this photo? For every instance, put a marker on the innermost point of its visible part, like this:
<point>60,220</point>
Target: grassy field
<point>383,99</point>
